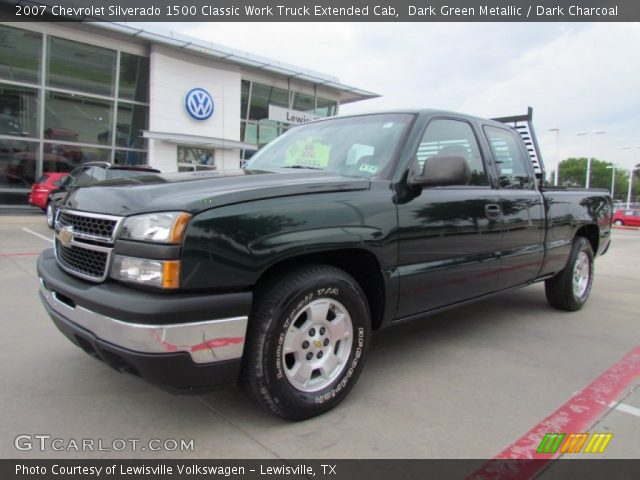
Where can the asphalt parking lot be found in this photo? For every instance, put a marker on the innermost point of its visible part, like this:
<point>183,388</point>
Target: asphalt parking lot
<point>467,383</point>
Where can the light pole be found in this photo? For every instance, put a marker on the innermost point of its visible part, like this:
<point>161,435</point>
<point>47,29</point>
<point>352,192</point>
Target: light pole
<point>556,175</point>
<point>630,187</point>
<point>613,178</point>
<point>630,176</point>
<point>590,135</point>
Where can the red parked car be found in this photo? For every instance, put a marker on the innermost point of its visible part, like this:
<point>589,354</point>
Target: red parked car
<point>627,217</point>
<point>41,189</point>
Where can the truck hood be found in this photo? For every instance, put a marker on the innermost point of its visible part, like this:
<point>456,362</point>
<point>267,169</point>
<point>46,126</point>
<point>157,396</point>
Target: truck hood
<point>198,191</point>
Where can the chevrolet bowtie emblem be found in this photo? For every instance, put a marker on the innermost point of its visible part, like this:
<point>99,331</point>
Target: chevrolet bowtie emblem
<point>65,235</point>
<point>317,343</point>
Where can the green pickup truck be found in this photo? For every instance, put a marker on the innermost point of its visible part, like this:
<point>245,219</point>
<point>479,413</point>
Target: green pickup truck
<point>275,275</point>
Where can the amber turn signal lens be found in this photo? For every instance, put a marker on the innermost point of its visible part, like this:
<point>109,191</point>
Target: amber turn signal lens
<point>179,227</point>
<point>171,274</point>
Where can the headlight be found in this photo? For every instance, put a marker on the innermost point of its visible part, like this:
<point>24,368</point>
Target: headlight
<point>155,273</point>
<point>162,227</point>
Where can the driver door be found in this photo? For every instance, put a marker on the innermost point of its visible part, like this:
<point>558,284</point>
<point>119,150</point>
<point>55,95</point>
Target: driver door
<point>449,237</point>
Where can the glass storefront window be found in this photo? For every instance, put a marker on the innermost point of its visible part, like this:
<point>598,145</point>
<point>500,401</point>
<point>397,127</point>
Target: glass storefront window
<point>261,133</point>
<point>326,108</point>
<point>258,97</point>
<point>267,131</point>
<point>246,155</point>
<point>194,158</point>
<point>134,78</point>
<point>78,127</point>
<point>303,102</point>
<point>18,163</point>
<point>18,111</point>
<point>249,132</point>
<point>244,99</point>
<point>193,168</point>
<point>132,119</point>
<point>20,54</point>
<point>78,66</point>
<point>75,154</point>
<point>262,96</point>
<point>130,157</point>
<point>257,129</point>
<point>76,118</point>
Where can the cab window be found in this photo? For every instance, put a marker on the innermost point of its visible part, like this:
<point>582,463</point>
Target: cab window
<point>514,170</point>
<point>445,137</point>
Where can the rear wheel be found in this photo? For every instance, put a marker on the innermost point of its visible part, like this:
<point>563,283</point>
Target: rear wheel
<point>618,222</point>
<point>307,342</point>
<point>570,288</point>
<point>51,214</point>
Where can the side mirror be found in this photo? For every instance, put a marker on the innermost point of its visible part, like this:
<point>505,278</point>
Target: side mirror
<point>442,170</point>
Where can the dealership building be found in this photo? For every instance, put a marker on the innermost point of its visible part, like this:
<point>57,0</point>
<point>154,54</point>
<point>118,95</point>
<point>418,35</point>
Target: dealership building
<point>77,92</point>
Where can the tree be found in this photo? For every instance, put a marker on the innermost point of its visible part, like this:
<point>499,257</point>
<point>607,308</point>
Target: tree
<point>635,189</point>
<point>573,173</point>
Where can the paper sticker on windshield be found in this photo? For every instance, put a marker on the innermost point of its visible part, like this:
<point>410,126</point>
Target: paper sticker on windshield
<point>365,167</point>
<point>307,153</point>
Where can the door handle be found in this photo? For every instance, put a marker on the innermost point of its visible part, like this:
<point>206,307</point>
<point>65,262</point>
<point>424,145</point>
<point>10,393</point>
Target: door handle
<point>493,211</point>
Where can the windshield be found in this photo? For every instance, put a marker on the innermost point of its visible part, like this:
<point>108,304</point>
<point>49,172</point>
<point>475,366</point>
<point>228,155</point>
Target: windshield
<point>355,146</point>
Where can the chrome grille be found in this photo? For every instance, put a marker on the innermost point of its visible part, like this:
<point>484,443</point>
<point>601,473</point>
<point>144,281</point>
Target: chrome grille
<point>84,242</point>
<point>93,225</point>
<point>90,263</point>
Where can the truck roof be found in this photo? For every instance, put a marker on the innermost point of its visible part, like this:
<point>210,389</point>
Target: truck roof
<point>417,111</point>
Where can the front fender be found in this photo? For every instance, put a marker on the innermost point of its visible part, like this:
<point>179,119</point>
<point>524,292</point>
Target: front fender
<point>230,247</point>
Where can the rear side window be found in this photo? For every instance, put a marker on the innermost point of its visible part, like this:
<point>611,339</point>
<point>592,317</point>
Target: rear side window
<point>452,138</point>
<point>42,179</point>
<point>513,166</point>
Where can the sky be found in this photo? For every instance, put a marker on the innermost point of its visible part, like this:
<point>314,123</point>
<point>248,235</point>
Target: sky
<point>578,77</point>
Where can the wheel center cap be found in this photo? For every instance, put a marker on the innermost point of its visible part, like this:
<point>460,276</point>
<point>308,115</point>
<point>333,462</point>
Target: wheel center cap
<point>317,343</point>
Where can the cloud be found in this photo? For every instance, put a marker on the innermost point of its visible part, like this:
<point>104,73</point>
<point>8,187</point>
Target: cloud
<point>577,76</point>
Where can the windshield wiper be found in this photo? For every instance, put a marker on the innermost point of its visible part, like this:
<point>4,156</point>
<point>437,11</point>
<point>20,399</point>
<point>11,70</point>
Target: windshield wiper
<point>303,166</point>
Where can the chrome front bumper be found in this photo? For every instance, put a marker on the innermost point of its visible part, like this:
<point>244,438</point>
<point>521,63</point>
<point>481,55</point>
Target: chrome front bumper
<point>205,341</point>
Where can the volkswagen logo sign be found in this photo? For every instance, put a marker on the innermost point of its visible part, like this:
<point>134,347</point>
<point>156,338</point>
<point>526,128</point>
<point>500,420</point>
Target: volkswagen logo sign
<point>199,103</point>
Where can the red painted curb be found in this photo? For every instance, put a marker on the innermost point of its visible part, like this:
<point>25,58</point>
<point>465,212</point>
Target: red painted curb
<point>576,415</point>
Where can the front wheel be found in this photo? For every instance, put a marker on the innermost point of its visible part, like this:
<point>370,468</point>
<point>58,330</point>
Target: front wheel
<point>618,222</point>
<point>570,288</point>
<point>307,342</point>
<point>51,214</point>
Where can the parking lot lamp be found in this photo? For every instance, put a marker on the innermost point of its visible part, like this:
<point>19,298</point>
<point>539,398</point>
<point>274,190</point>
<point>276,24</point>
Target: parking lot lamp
<point>630,176</point>
<point>613,178</point>
<point>590,136</point>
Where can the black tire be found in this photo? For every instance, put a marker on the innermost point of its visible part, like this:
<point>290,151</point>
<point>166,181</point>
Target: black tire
<point>280,307</point>
<point>560,290</point>
<point>50,212</point>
